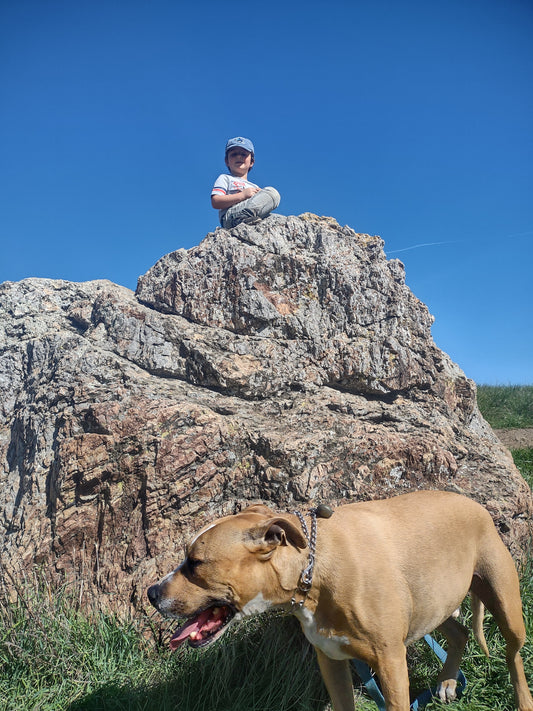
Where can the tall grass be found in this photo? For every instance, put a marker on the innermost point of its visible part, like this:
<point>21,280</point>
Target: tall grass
<point>52,653</point>
<point>54,656</point>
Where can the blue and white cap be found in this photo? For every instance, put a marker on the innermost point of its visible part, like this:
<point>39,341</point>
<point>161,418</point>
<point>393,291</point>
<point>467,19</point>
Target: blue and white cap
<point>240,142</point>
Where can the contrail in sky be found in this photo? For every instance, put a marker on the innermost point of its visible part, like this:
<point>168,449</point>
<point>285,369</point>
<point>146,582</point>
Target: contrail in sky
<point>416,246</point>
<point>519,234</point>
<point>516,235</point>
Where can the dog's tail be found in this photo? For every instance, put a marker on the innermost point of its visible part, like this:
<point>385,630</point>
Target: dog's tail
<point>478,611</point>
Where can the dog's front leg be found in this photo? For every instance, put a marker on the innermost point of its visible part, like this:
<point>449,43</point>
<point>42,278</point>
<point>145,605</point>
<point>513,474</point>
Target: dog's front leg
<point>391,668</point>
<point>338,679</point>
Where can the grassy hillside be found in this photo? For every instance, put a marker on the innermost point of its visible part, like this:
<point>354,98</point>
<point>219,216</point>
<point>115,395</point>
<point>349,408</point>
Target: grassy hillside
<point>510,407</point>
<point>54,656</point>
<point>506,406</point>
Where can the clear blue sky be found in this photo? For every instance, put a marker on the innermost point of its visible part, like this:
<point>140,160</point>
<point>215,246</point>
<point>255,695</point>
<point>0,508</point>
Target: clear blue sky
<point>411,120</point>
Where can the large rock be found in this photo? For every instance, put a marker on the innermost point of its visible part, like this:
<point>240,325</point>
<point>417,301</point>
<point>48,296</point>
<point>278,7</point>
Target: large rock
<point>285,362</point>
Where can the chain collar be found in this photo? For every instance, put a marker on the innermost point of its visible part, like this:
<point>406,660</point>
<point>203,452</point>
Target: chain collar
<point>305,581</point>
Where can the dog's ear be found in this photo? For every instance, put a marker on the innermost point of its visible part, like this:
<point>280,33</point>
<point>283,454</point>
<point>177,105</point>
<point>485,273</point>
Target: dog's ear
<point>257,508</point>
<point>278,531</point>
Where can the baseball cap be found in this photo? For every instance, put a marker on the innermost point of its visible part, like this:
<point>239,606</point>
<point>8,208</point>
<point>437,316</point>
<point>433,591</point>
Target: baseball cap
<point>240,142</point>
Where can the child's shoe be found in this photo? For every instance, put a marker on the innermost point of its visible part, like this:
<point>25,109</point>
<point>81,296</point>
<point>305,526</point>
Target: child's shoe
<point>250,216</point>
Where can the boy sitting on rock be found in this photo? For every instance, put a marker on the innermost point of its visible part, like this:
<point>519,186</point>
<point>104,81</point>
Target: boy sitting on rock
<point>234,196</point>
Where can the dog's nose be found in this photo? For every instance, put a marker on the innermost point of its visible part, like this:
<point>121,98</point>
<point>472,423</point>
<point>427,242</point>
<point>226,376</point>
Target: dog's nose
<point>154,593</point>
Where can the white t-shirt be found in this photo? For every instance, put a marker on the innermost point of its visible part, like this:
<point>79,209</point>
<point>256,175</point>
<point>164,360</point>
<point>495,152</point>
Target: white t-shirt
<point>229,185</point>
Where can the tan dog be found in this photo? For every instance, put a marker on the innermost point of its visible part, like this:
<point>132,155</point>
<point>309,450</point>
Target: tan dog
<point>387,572</point>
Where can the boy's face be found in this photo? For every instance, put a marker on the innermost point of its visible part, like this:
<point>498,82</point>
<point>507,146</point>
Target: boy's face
<point>239,162</point>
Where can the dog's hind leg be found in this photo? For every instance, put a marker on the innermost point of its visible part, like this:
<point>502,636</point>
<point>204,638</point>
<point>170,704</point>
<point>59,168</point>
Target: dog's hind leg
<point>509,618</point>
<point>457,636</point>
<point>338,680</point>
<point>499,589</point>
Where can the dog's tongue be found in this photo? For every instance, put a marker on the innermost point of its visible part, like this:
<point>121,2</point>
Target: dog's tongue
<point>196,628</point>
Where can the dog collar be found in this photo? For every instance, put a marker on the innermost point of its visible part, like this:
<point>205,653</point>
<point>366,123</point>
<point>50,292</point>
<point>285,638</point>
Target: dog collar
<point>305,581</point>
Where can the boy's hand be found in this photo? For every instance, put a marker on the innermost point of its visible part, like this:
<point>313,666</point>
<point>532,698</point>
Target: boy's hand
<point>222,202</point>
<point>248,193</point>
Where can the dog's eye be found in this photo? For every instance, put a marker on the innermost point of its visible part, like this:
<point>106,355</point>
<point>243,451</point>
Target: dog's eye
<point>191,565</point>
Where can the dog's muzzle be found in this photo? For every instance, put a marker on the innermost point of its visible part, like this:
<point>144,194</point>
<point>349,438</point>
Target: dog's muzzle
<point>154,595</point>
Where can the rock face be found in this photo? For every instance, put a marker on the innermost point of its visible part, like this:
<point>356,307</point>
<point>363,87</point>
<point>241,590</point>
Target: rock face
<point>285,362</point>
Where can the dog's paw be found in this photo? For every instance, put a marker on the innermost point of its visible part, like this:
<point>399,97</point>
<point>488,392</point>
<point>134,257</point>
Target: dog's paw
<point>447,691</point>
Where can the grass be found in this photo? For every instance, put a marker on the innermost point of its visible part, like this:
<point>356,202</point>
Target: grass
<point>52,653</point>
<point>523,458</point>
<point>256,666</point>
<point>506,406</point>
<point>57,656</point>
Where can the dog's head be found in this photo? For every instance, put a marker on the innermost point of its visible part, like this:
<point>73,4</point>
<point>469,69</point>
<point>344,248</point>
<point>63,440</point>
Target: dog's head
<point>238,566</point>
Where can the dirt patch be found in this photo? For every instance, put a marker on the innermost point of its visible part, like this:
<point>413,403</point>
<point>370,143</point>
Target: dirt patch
<point>516,439</point>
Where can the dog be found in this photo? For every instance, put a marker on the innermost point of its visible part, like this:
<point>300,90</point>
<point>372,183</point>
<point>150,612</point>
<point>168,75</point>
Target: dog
<point>364,583</point>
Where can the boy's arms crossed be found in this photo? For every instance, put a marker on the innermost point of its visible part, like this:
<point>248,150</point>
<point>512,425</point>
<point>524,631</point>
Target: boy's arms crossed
<point>220,200</point>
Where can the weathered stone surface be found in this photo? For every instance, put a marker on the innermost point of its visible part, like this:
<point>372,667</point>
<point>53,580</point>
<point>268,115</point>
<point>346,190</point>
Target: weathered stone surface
<point>285,362</point>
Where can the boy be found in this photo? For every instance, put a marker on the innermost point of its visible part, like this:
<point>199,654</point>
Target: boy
<point>234,196</point>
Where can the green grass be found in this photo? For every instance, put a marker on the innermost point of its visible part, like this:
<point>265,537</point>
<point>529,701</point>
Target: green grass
<point>257,665</point>
<point>506,406</point>
<point>55,656</point>
<point>523,458</point>
<point>52,653</point>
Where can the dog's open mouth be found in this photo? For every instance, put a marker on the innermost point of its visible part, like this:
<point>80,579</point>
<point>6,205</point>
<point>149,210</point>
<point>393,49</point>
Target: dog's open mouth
<point>203,628</point>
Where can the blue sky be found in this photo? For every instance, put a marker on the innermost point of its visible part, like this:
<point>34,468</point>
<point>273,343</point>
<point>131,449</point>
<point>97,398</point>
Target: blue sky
<point>411,120</point>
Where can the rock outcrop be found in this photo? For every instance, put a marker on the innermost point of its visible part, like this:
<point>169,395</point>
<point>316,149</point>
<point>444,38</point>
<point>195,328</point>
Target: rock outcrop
<point>286,362</point>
